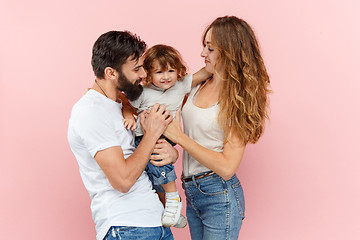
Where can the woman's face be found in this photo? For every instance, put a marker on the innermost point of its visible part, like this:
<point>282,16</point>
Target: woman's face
<point>210,53</point>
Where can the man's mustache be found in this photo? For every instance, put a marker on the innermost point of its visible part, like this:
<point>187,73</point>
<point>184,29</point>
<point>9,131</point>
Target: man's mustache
<point>138,81</point>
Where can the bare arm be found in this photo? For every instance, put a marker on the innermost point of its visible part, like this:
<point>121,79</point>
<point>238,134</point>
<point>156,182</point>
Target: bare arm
<point>128,112</point>
<point>129,119</point>
<point>200,76</point>
<point>127,107</point>
<point>223,163</point>
<point>122,173</point>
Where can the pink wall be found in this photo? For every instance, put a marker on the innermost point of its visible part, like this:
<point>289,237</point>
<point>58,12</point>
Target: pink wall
<point>301,180</point>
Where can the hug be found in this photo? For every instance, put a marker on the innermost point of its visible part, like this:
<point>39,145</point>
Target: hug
<point>124,129</point>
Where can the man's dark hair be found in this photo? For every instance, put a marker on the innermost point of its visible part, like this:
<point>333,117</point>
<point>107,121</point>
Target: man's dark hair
<point>113,48</point>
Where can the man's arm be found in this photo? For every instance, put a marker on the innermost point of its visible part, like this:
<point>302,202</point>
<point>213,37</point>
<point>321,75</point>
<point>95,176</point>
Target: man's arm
<point>164,153</point>
<point>122,173</point>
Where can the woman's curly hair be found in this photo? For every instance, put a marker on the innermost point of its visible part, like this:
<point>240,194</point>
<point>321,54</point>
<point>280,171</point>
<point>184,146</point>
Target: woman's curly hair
<point>243,99</point>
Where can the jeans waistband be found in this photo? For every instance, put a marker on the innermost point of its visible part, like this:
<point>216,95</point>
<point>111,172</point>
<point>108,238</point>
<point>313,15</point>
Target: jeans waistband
<point>196,177</point>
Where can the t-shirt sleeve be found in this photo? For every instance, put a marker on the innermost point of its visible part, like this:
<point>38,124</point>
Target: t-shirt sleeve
<point>97,133</point>
<point>187,83</point>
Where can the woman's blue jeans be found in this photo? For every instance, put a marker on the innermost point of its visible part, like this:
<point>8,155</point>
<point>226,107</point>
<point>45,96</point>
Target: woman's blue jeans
<point>214,207</point>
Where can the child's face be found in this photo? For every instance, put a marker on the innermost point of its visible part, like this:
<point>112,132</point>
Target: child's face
<point>163,79</point>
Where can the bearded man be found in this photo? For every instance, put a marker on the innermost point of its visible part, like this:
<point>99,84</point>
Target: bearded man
<point>123,203</point>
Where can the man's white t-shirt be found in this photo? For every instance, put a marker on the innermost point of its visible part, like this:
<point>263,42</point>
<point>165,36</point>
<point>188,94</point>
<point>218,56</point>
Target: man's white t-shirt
<point>96,124</point>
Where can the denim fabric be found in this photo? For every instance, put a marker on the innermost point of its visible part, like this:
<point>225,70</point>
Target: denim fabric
<point>214,207</point>
<point>159,175</point>
<point>139,233</point>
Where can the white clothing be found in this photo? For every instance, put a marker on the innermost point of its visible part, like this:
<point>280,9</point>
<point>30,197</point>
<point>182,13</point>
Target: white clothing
<point>172,98</point>
<point>202,126</point>
<point>96,124</point>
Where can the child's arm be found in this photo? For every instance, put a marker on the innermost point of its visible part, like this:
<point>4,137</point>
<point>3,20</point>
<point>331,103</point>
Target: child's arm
<point>129,120</point>
<point>200,76</point>
<point>128,112</point>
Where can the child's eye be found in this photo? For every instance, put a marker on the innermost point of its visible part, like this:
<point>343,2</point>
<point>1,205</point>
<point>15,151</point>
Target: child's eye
<point>158,72</point>
<point>171,70</point>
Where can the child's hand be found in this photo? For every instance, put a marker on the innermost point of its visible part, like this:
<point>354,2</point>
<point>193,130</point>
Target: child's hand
<point>130,124</point>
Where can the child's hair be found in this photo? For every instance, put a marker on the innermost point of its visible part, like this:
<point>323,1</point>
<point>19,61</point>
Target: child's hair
<point>165,55</point>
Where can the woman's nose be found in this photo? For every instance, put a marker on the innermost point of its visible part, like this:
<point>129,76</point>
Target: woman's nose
<point>203,52</point>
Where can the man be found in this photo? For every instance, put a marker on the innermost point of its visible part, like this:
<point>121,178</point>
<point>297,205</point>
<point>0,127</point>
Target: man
<point>123,203</point>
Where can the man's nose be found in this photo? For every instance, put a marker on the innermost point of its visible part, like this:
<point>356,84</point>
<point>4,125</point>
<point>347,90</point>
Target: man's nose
<point>142,73</point>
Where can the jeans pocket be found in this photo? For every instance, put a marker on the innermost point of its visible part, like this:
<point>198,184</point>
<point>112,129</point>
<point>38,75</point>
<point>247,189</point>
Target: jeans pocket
<point>213,186</point>
<point>239,194</point>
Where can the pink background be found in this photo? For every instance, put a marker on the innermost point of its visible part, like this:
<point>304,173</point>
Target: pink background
<point>301,180</point>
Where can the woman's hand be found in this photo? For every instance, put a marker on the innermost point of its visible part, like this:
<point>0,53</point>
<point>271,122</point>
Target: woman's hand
<point>174,131</point>
<point>164,152</point>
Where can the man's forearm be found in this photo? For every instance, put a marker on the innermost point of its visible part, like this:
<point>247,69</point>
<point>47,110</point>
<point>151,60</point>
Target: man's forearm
<point>136,163</point>
<point>153,126</point>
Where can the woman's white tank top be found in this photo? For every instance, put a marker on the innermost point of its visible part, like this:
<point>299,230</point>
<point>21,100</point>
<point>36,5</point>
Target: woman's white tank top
<point>202,126</point>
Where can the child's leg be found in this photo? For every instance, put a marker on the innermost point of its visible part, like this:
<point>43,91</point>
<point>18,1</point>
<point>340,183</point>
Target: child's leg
<point>161,197</point>
<point>163,179</point>
<point>172,213</point>
<point>169,187</point>
<point>171,192</point>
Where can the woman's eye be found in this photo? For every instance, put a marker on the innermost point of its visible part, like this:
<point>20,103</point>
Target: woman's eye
<point>210,49</point>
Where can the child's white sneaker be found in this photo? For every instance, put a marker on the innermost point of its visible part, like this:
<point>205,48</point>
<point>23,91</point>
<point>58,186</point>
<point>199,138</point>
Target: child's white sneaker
<point>181,223</point>
<point>171,212</point>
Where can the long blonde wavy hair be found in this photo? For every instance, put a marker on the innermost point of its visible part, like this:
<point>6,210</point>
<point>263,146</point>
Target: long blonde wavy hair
<point>243,99</point>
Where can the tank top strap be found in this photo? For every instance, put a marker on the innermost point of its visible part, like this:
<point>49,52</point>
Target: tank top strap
<point>196,91</point>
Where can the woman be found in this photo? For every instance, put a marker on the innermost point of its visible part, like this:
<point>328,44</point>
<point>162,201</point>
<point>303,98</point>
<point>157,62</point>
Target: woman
<point>220,117</point>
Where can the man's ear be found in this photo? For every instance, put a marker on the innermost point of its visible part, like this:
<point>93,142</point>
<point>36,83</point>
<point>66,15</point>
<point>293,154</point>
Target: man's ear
<point>110,73</point>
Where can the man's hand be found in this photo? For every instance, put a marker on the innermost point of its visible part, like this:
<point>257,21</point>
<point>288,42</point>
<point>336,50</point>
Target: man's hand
<point>155,122</point>
<point>167,153</point>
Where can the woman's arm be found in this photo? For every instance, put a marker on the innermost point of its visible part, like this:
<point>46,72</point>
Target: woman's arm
<point>200,76</point>
<point>223,163</point>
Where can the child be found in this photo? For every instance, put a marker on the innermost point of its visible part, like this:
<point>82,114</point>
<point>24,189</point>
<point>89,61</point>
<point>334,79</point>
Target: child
<point>165,84</point>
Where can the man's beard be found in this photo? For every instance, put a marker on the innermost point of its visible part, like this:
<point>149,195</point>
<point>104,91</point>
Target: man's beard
<point>132,91</point>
